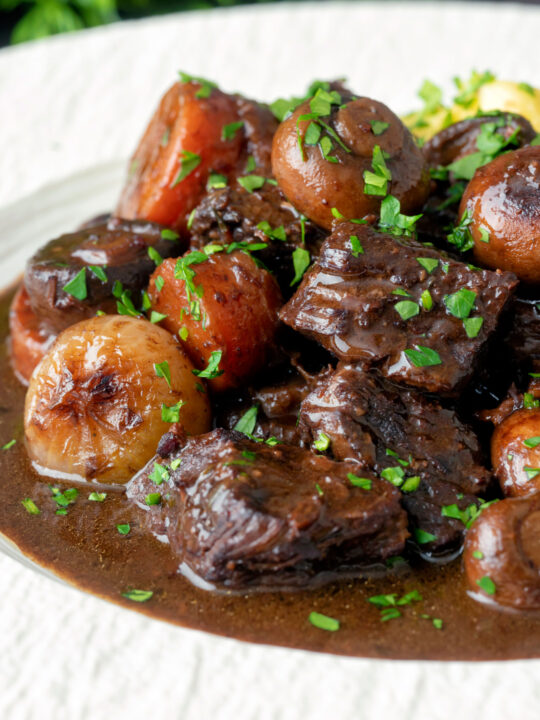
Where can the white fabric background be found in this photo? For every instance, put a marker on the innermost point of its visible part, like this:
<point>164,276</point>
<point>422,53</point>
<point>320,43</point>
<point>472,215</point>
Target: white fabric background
<point>76,101</point>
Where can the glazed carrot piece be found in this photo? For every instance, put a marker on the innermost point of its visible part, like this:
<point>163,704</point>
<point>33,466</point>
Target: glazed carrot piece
<point>184,141</point>
<point>29,341</point>
<point>225,314</point>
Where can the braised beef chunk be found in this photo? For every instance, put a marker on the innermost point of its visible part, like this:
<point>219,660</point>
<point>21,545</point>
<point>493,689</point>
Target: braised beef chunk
<point>238,512</point>
<point>111,254</point>
<point>420,316</point>
<point>410,439</point>
<point>271,412</point>
<point>233,214</point>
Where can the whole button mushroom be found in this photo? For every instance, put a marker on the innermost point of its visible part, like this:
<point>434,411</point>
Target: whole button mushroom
<point>502,553</point>
<point>340,155</point>
<point>502,203</point>
<point>515,452</point>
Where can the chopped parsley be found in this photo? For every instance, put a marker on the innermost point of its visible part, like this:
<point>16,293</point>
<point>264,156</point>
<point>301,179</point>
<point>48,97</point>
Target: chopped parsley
<point>478,555</point>
<point>153,498</point>
<point>376,182</point>
<point>216,181</point>
<point>322,443</point>
<point>246,424</point>
<point>97,496</point>
<point>461,236</point>
<point>422,356</point>
<point>356,246</point>
<point>77,286</point>
<point>531,472</point>
<point>532,442</point>
<point>212,370</point>
<point>484,235</point>
<point>206,85</point>
<point>393,221</point>
<point>423,537</point>
<point>429,264</point>
<point>251,182</point>
<point>379,126</point>
<point>530,402</point>
<point>274,234</point>
<point>407,309</point>
<point>159,474</point>
<point>156,317</point>
<point>460,303</point>
<point>171,414</point>
<point>473,326</point>
<point>360,482</point>
<point>168,234</point>
<point>9,445</point>
<point>123,528</point>
<point>138,595</point>
<point>163,371</point>
<point>229,131</point>
<point>301,259</point>
<point>487,585</point>
<point>426,300</point>
<point>189,161</point>
<point>30,506</point>
<point>323,622</point>
<point>99,272</point>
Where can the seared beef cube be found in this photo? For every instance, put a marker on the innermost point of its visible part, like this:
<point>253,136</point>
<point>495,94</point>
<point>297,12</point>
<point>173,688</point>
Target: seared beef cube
<point>238,512</point>
<point>402,434</point>
<point>271,412</point>
<point>395,303</point>
<point>233,214</point>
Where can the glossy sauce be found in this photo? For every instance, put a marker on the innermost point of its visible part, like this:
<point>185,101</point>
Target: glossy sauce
<point>85,549</point>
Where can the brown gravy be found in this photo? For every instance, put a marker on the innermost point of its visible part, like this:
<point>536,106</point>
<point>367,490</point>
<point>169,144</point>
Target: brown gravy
<point>85,549</point>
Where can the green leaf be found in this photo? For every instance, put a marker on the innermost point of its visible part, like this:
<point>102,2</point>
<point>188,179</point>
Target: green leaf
<point>407,309</point>
<point>246,424</point>
<point>429,264</point>
<point>123,528</point>
<point>153,498</point>
<point>322,443</point>
<point>378,127</point>
<point>376,182</point>
<point>426,300</point>
<point>393,221</point>
<point>171,414</point>
<point>460,303</point>
<point>156,317</point>
<point>360,482</point>
<point>487,585</point>
<point>189,161</point>
<point>77,286</point>
<point>159,474</point>
<point>251,182</point>
<point>356,246</point>
<point>163,371</point>
<point>9,444</point>
<point>229,131</point>
<point>216,181</point>
<point>99,272</point>
<point>423,356</point>
<point>484,235</point>
<point>323,622</point>
<point>168,234</point>
<point>411,484</point>
<point>206,85</point>
<point>473,326</point>
<point>30,506</point>
<point>532,442</point>
<point>394,475</point>
<point>461,236</point>
<point>211,371</point>
<point>301,260</point>
<point>97,496</point>
<point>422,537</point>
<point>138,595</point>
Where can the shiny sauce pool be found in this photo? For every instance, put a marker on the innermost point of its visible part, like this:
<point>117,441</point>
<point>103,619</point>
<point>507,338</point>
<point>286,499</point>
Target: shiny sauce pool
<point>84,548</point>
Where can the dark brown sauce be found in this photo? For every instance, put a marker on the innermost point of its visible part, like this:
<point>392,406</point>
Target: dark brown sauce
<point>85,549</point>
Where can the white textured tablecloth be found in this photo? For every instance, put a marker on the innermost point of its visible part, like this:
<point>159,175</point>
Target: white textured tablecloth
<point>76,101</point>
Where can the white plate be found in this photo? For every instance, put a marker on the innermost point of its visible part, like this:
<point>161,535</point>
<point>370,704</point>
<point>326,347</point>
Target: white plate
<point>70,106</point>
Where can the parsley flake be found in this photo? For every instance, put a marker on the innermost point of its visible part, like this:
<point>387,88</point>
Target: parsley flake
<point>422,356</point>
<point>360,482</point>
<point>487,585</point>
<point>30,506</point>
<point>246,424</point>
<point>77,286</point>
<point>138,595</point>
<point>407,309</point>
<point>163,371</point>
<point>322,443</point>
<point>324,622</point>
<point>229,131</point>
<point>212,370</point>
<point>189,161</point>
<point>123,528</point>
<point>301,259</point>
